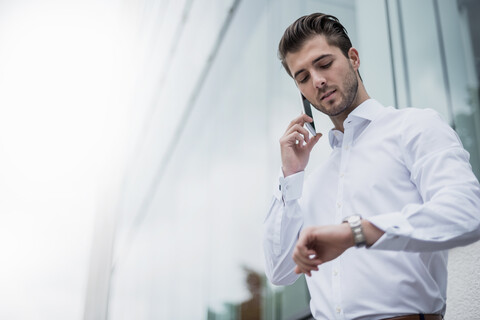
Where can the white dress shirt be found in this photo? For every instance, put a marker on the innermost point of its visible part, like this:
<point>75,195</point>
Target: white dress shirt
<point>407,173</point>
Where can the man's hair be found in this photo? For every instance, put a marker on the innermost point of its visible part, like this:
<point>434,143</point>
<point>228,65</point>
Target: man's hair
<point>306,27</point>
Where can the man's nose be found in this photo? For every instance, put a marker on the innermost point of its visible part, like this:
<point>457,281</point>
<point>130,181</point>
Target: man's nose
<point>319,81</point>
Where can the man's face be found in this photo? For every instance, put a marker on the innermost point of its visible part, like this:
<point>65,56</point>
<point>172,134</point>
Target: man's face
<point>324,75</point>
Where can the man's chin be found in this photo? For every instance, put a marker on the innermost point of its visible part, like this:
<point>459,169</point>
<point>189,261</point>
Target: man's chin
<point>337,112</point>
<point>332,111</point>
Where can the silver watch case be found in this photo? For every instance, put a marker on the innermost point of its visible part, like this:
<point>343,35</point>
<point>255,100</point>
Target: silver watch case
<point>355,222</point>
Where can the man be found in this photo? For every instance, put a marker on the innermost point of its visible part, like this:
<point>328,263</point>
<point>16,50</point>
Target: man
<point>372,224</point>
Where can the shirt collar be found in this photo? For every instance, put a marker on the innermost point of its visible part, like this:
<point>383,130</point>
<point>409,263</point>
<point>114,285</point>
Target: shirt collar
<point>335,137</point>
<point>366,111</point>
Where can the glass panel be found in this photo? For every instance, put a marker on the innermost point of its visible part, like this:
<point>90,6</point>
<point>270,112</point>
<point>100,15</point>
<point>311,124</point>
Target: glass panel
<point>200,240</point>
<point>462,46</point>
<point>375,51</point>
<point>422,49</point>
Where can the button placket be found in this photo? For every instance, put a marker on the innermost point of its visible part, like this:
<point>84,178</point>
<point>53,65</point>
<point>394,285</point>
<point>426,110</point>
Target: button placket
<point>336,264</point>
<point>344,156</point>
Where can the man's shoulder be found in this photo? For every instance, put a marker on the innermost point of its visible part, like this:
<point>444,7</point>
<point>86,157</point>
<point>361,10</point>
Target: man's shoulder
<point>426,126</point>
<point>412,117</point>
<point>413,111</point>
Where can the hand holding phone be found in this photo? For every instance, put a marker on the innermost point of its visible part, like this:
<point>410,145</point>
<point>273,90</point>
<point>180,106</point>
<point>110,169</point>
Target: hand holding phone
<point>307,109</point>
<point>297,143</point>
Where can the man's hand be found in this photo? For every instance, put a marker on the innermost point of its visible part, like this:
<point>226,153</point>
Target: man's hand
<point>295,146</point>
<point>317,245</point>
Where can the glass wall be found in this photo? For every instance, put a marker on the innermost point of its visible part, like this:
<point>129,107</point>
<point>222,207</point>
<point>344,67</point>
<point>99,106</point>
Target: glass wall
<point>189,224</point>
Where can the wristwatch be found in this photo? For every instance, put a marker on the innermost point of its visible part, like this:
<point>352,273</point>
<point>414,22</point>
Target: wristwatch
<point>355,223</point>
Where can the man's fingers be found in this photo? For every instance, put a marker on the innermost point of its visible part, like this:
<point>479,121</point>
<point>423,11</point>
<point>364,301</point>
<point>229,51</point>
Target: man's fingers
<point>298,122</point>
<point>296,138</point>
<point>313,141</point>
<point>309,264</point>
<point>304,256</point>
<point>293,139</point>
<point>301,119</point>
<point>305,259</point>
<point>300,271</point>
<point>307,269</point>
<point>299,129</point>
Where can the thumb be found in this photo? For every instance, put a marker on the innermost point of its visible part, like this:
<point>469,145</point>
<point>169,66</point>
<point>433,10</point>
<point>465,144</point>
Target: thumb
<point>313,141</point>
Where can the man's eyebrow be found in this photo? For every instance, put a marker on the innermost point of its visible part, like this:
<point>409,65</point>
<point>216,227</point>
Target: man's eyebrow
<point>313,62</point>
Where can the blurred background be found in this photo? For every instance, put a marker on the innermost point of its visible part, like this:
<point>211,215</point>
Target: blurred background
<point>139,146</point>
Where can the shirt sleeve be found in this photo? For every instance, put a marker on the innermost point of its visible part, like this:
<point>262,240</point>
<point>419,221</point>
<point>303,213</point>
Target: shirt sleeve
<point>281,228</point>
<point>439,167</point>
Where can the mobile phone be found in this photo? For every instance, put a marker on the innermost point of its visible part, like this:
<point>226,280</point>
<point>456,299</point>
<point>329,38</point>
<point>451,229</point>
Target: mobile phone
<point>307,109</point>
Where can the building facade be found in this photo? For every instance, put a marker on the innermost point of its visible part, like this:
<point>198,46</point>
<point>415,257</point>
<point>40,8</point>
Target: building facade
<point>181,237</point>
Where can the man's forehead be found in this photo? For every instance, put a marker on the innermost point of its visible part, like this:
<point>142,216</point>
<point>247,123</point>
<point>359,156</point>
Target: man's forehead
<point>312,49</point>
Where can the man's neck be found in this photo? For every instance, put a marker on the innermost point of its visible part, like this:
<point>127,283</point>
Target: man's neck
<point>361,97</point>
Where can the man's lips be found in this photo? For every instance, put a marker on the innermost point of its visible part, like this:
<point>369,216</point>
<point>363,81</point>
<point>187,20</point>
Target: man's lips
<point>328,94</point>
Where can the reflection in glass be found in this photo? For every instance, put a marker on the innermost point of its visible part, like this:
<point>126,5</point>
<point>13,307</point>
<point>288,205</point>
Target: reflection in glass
<point>204,221</point>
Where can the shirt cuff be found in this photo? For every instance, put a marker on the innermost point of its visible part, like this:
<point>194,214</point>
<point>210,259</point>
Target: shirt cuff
<point>397,231</point>
<point>291,187</point>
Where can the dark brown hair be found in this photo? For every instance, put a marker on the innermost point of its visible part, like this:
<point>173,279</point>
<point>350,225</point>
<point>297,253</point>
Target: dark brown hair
<point>306,27</point>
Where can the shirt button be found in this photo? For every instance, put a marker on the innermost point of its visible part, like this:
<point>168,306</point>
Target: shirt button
<point>338,310</point>
<point>341,175</point>
<point>346,147</point>
<point>335,272</point>
<point>339,204</point>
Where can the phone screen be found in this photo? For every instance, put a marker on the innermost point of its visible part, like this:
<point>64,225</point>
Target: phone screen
<point>307,108</point>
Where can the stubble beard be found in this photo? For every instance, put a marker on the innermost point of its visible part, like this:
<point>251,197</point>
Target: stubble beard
<point>350,85</point>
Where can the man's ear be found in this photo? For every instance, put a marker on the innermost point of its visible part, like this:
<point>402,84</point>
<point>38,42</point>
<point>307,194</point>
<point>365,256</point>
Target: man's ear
<point>354,58</point>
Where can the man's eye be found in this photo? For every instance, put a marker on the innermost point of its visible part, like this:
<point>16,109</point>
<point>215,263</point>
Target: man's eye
<point>303,80</point>
<point>326,66</point>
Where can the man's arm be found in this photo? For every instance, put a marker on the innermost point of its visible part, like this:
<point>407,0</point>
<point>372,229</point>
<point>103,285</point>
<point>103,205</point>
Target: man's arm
<point>449,216</point>
<point>320,244</point>
<point>439,168</point>
<point>281,228</point>
<point>285,220</point>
